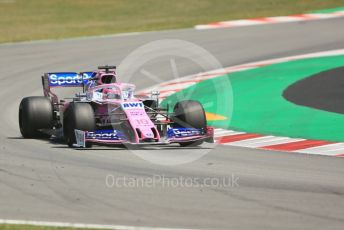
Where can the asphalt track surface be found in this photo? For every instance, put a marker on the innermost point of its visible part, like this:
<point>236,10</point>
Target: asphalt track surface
<point>321,91</point>
<point>41,180</point>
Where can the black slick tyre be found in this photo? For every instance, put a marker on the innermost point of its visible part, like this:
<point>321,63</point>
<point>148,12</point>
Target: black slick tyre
<point>78,116</point>
<point>189,114</point>
<point>35,114</point>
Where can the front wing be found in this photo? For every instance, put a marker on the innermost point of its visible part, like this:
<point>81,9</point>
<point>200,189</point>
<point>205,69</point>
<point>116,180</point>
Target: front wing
<point>116,137</point>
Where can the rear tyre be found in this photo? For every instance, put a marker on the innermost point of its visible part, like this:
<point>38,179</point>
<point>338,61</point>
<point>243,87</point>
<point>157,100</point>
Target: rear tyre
<point>189,114</point>
<point>35,113</point>
<point>78,116</point>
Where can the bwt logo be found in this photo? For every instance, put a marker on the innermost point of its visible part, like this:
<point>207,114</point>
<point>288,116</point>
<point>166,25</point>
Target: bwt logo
<point>56,79</point>
<point>132,105</point>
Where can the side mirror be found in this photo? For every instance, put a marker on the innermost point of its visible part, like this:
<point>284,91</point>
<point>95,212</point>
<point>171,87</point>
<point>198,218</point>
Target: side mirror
<point>155,93</point>
<point>155,96</point>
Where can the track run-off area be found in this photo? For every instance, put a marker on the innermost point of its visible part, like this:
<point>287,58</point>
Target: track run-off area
<point>43,180</point>
<point>263,117</point>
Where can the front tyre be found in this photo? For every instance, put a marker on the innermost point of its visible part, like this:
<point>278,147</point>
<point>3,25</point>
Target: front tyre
<point>189,114</point>
<point>35,113</point>
<point>78,116</point>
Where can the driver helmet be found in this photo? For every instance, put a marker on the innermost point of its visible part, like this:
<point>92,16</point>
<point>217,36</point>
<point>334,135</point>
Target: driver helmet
<point>111,94</point>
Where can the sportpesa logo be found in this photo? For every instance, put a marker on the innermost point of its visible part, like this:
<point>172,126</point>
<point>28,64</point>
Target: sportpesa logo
<point>104,135</point>
<point>68,79</point>
<point>186,132</point>
<point>183,132</point>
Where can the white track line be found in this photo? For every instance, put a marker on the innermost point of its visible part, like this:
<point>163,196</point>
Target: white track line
<point>283,140</point>
<point>270,20</point>
<point>79,225</point>
<point>224,132</point>
<point>329,150</point>
<point>264,141</point>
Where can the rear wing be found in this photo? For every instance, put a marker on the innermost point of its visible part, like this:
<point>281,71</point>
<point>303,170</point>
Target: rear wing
<point>66,79</point>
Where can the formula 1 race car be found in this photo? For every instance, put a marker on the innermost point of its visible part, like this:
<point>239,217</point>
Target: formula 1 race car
<point>107,112</point>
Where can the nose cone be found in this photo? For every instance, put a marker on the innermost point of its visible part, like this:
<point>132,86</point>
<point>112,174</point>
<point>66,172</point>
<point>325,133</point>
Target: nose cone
<point>147,134</point>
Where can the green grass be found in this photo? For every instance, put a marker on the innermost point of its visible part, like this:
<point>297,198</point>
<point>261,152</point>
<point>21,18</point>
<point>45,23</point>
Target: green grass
<point>22,20</point>
<point>332,10</point>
